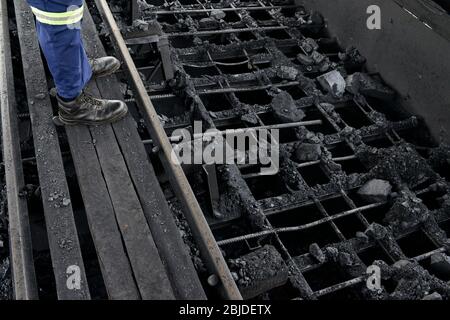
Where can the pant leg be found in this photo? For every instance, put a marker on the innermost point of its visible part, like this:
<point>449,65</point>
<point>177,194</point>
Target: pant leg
<point>66,58</point>
<point>54,5</point>
<point>64,51</point>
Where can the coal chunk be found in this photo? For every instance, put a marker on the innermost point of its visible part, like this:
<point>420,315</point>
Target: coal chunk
<point>317,57</point>
<point>366,85</point>
<point>284,108</point>
<point>352,58</point>
<point>208,23</point>
<point>375,190</point>
<point>217,14</point>
<point>259,271</point>
<point>440,264</point>
<point>308,152</point>
<point>407,212</point>
<point>317,253</point>
<point>309,45</point>
<point>287,73</point>
<point>376,231</point>
<point>399,164</point>
<point>333,82</point>
<point>250,118</point>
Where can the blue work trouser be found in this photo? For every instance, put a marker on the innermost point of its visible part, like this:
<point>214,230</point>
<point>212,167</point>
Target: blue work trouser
<point>63,49</point>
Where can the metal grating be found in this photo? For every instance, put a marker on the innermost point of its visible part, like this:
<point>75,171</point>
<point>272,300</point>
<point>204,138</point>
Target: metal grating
<point>229,60</point>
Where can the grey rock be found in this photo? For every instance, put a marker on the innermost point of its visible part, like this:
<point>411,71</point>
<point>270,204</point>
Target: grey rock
<point>433,296</point>
<point>317,253</point>
<point>401,264</point>
<point>376,231</point>
<point>332,253</point>
<point>345,259</point>
<point>375,190</point>
<point>249,118</point>
<point>317,57</point>
<point>284,108</point>
<point>208,23</point>
<point>140,25</point>
<point>333,82</point>
<point>286,72</point>
<point>309,45</point>
<point>217,14</point>
<point>66,202</point>
<point>40,96</point>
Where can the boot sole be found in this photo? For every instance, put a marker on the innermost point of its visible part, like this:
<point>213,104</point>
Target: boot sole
<point>104,74</point>
<point>59,121</point>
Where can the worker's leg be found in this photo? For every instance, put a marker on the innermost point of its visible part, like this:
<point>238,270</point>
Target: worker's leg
<point>59,31</point>
<point>66,58</point>
<point>63,48</point>
<point>72,73</point>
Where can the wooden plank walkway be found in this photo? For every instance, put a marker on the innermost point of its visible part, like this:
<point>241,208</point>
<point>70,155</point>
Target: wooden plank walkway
<point>22,267</point>
<point>62,233</point>
<point>139,248</point>
<point>171,248</point>
<point>149,272</point>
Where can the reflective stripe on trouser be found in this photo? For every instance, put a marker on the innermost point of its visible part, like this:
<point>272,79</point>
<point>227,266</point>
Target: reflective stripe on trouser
<point>73,15</point>
<point>63,49</point>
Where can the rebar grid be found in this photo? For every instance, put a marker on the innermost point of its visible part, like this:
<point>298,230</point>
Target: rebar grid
<point>236,61</point>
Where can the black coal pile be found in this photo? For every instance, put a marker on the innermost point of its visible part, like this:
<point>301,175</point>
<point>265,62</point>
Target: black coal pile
<point>259,271</point>
<point>399,164</point>
<point>414,282</point>
<point>5,276</point>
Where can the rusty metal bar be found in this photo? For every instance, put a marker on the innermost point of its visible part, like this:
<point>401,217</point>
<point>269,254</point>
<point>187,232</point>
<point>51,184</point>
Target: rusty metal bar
<point>193,11</point>
<point>224,31</point>
<point>340,286</point>
<point>301,227</point>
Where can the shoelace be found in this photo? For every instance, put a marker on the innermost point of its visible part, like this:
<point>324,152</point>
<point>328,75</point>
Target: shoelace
<point>86,98</point>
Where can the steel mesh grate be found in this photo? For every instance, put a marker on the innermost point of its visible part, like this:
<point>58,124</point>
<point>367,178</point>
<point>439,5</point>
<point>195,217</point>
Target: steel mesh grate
<point>230,59</point>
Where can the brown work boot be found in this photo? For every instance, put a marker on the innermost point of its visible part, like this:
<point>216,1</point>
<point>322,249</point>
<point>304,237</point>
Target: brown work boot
<point>104,66</point>
<point>87,110</point>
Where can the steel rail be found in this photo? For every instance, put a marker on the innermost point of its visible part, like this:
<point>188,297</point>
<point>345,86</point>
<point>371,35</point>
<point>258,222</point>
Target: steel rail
<point>209,249</point>
<point>21,253</point>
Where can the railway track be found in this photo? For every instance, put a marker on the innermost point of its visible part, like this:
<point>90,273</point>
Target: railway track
<point>310,231</point>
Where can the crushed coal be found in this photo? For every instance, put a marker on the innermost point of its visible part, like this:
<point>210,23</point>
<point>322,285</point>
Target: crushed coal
<point>5,268</point>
